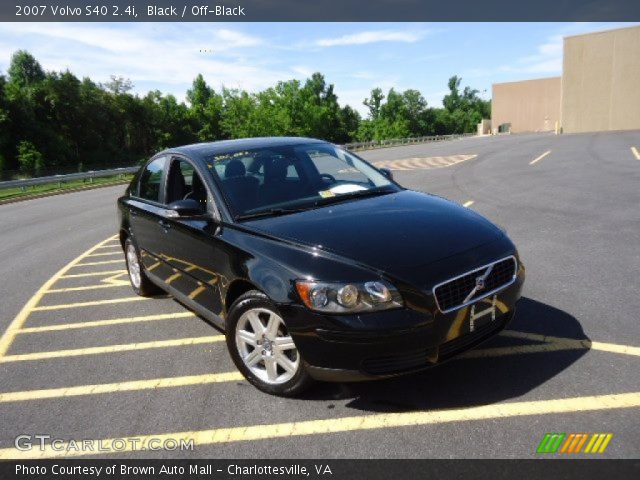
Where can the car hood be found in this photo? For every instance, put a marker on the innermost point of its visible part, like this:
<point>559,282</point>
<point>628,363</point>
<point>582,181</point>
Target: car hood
<point>388,232</point>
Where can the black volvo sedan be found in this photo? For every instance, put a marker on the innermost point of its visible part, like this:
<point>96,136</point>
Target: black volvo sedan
<point>315,264</point>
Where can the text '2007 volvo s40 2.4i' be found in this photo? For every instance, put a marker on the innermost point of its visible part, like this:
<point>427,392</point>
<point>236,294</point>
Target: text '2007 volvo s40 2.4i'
<point>314,263</point>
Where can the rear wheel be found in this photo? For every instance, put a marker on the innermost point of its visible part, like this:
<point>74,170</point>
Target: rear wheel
<point>139,280</point>
<point>262,348</point>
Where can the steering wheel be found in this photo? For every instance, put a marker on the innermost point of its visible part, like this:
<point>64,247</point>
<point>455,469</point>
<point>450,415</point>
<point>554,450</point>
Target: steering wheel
<point>329,177</point>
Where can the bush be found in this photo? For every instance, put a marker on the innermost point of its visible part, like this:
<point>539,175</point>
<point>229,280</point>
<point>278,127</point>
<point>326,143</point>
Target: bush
<point>30,159</point>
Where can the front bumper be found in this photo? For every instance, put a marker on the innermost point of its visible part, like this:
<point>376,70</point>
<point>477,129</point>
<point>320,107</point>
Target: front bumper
<point>393,342</point>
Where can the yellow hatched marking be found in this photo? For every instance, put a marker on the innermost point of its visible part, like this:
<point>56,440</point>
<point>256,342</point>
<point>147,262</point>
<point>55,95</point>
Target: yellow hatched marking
<point>105,262</point>
<point>173,277</point>
<point>104,323</point>
<point>197,292</point>
<point>110,245</point>
<point>635,152</point>
<point>21,317</point>
<point>89,304</point>
<point>80,289</point>
<point>349,424</point>
<point>94,274</point>
<point>468,204</point>
<point>106,254</point>
<point>154,266</point>
<point>179,342</point>
<point>116,280</point>
<point>570,343</point>
<point>134,385</point>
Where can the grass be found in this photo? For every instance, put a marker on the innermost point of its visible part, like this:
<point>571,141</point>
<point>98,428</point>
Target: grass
<point>55,187</point>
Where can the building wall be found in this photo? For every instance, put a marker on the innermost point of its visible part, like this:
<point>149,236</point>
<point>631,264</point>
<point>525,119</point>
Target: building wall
<point>601,81</point>
<point>529,106</point>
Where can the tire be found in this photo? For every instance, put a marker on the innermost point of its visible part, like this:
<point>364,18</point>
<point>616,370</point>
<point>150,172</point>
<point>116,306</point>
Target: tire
<point>261,347</point>
<point>137,277</point>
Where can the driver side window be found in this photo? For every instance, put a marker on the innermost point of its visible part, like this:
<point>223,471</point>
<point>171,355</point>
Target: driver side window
<point>184,183</point>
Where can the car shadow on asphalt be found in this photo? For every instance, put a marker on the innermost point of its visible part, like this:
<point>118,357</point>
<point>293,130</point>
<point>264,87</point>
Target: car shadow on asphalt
<point>473,381</point>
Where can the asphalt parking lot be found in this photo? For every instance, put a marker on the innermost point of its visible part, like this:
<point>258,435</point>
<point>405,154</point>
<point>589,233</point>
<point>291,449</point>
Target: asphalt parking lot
<point>82,357</point>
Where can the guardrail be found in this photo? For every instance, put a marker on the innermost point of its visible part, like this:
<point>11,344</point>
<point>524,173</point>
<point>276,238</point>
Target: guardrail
<point>403,141</point>
<point>60,179</point>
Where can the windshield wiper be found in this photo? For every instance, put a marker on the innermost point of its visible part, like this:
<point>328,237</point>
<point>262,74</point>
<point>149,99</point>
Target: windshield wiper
<point>272,212</point>
<point>347,196</point>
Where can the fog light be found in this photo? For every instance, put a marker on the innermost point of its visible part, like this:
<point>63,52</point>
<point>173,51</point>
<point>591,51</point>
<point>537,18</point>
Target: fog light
<point>348,296</point>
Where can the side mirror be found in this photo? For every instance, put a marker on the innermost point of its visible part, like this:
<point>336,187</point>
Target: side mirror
<point>185,208</point>
<point>386,172</point>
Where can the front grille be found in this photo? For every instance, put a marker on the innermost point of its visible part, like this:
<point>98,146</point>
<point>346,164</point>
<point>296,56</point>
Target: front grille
<point>451,294</point>
<point>398,363</point>
<point>470,340</point>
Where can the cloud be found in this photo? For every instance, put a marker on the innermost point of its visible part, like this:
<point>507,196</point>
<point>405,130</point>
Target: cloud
<point>372,36</point>
<point>148,54</point>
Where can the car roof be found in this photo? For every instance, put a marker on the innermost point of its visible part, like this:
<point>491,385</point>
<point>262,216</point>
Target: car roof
<point>203,150</point>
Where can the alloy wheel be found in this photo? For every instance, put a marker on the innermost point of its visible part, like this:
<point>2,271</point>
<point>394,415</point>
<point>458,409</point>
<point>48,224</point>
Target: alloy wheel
<point>265,346</point>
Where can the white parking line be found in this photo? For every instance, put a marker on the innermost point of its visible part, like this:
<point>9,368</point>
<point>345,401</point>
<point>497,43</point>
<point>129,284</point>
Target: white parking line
<point>536,160</point>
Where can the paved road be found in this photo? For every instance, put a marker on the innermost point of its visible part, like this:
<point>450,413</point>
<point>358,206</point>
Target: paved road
<point>573,214</point>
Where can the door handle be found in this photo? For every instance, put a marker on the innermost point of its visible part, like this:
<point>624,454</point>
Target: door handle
<point>164,224</point>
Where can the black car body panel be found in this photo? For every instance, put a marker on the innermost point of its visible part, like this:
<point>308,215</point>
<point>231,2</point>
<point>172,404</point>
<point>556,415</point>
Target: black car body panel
<point>413,240</point>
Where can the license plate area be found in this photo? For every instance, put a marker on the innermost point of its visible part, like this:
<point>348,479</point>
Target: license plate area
<point>482,313</point>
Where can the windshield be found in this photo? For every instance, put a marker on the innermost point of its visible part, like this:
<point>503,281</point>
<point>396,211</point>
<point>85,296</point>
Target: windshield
<point>290,178</point>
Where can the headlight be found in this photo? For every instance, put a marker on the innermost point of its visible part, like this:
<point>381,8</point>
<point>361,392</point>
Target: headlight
<point>348,297</point>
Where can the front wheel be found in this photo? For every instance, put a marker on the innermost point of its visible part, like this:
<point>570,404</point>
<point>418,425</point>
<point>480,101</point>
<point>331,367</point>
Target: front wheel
<point>262,348</point>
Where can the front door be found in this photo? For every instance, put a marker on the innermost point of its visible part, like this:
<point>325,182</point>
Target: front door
<point>190,244</point>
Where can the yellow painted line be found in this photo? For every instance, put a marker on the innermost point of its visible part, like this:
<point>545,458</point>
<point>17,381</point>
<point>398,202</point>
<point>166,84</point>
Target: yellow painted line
<point>131,386</point>
<point>104,323</point>
<point>21,317</point>
<point>635,152</point>
<point>179,342</point>
<point>468,204</point>
<point>155,265</point>
<point>115,280</point>
<point>173,277</point>
<point>93,303</point>
<point>88,287</point>
<point>533,162</point>
<point>347,424</point>
<point>94,274</point>
<point>197,292</point>
<point>106,254</point>
<point>104,262</point>
<point>576,344</point>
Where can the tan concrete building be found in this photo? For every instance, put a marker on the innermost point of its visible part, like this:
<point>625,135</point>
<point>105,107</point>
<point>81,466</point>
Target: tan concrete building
<point>529,106</point>
<point>601,81</point>
<point>599,89</point>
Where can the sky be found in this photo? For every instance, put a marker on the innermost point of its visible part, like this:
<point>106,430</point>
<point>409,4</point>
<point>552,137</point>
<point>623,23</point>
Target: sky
<point>355,57</point>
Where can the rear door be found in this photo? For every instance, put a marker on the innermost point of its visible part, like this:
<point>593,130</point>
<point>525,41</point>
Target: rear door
<point>147,213</point>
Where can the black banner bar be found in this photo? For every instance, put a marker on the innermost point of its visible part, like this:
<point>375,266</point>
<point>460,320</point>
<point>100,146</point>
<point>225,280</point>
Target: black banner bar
<point>317,10</point>
<point>532,469</point>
